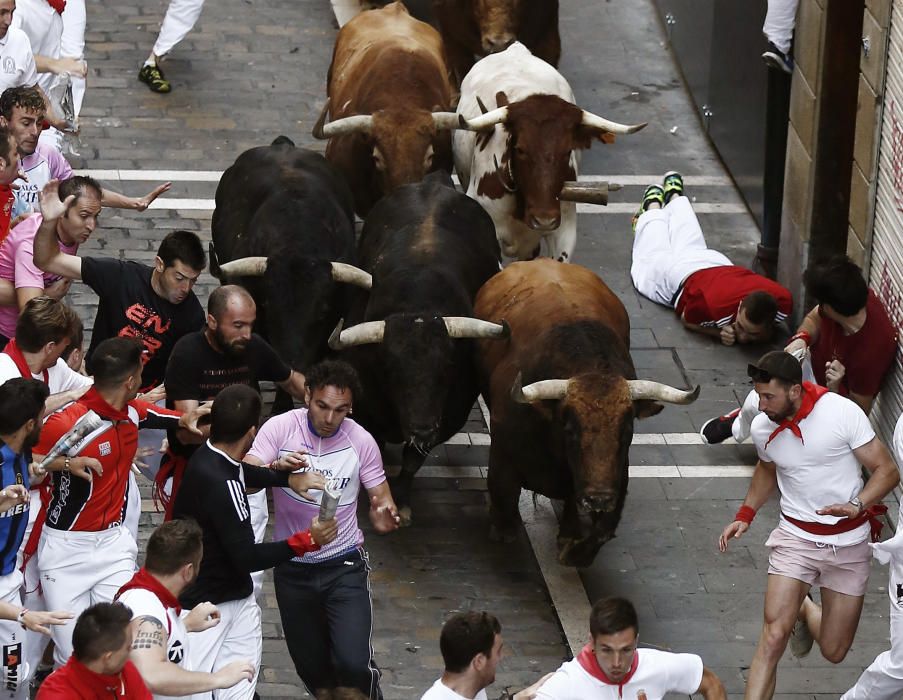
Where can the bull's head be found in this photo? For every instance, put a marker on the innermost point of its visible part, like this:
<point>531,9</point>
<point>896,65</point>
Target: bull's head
<point>302,298</point>
<point>544,131</point>
<point>403,141</point>
<point>595,414</point>
<point>498,21</point>
<point>421,361</point>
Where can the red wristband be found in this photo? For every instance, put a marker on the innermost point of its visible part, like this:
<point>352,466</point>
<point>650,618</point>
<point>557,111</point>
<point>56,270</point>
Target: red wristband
<point>745,514</point>
<point>302,542</point>
<point>802,335</point>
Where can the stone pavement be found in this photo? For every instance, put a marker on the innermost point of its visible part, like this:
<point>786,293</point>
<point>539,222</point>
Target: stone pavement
<point>254,69</point>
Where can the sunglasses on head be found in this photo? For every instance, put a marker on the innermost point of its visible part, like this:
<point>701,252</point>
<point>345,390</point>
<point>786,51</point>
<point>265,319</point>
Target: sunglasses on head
<point>758,375</point>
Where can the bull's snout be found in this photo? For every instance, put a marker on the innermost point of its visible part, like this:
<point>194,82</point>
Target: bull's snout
<point>544,222</point>
<point>424,436</point>
<point>493,43</point>
<point>599,502</point>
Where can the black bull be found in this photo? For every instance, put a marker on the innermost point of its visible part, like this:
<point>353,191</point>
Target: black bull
<point>429,249</point>
<point>283,215</point>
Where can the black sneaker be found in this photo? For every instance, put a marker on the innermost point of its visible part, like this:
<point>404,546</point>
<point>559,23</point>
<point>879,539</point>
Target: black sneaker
<point>653,193</point>
<point>717,430</point>
<point>774,58</point>
<point>153,77</point>
<point>673,185</point>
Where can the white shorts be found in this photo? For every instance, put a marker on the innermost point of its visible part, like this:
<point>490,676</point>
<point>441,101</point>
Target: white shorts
<point>238,637</point>
<point>79,569</point>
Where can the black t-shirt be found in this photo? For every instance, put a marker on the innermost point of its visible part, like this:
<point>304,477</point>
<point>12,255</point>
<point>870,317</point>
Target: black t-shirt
<point>197,372</point>
<point>129,307</point>
<point>213,493</point>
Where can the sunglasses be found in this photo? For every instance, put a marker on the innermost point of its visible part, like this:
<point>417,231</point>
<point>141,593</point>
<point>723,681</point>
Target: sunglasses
<point>761,376</point>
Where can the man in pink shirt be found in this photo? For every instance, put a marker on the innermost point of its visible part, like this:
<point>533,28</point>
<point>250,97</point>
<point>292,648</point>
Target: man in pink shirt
<point>324,596</point>
<point>16,253</point>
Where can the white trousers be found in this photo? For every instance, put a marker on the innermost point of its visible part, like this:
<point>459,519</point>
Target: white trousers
<point>32,593</point>
<point>668,247</point>
<point>79,569</point>
<point>72,44</point>
<point>883,679</point>
<point>16,670</point>
<point>238,637</point>
<point>779,23</point>
<point>44,28</point>
<point>132,507</point>
<point>181,16</point>
<point>260,516</point>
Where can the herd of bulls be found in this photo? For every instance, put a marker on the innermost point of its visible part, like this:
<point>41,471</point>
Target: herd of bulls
<point>419,304</point>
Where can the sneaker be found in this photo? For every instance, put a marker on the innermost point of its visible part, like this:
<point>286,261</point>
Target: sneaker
<point>776,59</point>
<point>673,185</point>
<point>153,77</point>
<point>717,430</point>
<point>653,193</point>
<point>801,639</point>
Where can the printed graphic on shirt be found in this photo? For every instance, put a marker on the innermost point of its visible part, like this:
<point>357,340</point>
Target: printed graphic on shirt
<point>148,327</point>
<point>12,661</point>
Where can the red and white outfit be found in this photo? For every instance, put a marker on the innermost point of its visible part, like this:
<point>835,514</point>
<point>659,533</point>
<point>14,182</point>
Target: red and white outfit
<point>181,16</point>
<point>883,679</point>
<point>815,466</point>
<point>655,672</point>
<point>85,517</point>
<point>673,266</point>
<point>145,596</point>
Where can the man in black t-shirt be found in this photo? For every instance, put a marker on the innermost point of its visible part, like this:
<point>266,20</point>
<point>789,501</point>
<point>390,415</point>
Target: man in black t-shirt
<point>154,304</point>
<point>224,353</point>
<point>213,494</point>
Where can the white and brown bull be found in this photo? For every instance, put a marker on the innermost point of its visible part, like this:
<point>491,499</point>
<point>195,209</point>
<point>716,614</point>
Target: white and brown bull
<point>527,149</point>
<point>563,394</point>
<point>389,101</point>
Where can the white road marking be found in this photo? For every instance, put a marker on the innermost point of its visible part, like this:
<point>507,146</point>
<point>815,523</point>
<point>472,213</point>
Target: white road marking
<point>637,471</point>
<point>671,439</point>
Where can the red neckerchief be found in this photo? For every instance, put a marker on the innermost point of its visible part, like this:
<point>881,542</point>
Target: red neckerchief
<point>811,394</point>
<point>125,684</point>
<point>12,349</point>
<point>93,400</point>
<point>143,580</point>
<point>587,660</point>
<point>58,5</point>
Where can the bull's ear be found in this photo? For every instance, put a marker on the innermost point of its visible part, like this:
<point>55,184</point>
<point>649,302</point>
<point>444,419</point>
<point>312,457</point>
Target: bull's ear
<point>644,408</point>
<point>501,99</point>
<point>585,135</point>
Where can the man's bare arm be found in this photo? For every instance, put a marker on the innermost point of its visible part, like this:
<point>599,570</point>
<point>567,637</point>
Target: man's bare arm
<point>294,385</point>
<point>711,687</point>
<point>47,253</point>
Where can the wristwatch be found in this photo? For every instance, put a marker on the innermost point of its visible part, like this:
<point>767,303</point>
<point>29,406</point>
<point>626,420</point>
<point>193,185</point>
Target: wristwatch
<point>856,502</point>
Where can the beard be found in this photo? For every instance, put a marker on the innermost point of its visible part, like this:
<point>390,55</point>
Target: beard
<point>234,349</point>
<point>32,438</point>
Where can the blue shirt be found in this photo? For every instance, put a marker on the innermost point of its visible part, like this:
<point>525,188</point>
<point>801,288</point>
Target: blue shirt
<point>13,470</point>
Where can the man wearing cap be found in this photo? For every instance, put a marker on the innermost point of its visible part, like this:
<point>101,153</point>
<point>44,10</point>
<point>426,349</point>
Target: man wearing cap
<point>810,444</point>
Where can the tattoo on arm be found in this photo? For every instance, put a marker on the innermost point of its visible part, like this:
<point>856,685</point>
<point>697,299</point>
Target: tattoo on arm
<point>150,634</point>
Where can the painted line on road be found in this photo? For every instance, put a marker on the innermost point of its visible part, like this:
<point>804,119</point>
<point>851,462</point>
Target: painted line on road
<point>215,175</point>
<point>636,471</point>
<point>669,439</point>
<point>615,208</point>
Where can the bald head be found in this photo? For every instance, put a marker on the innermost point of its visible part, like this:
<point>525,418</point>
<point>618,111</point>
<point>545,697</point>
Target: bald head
<point>229,296</point>
<point>231,313</point>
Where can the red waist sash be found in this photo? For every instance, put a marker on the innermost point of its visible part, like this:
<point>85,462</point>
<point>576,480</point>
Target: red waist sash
<point>870,515</point>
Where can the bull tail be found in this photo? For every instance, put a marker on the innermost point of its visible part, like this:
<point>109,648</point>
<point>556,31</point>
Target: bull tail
<point>283,141</point>
<point>214,261</point>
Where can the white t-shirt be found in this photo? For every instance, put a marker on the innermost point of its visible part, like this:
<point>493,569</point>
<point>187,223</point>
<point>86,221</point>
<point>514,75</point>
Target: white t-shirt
<point>440,691</point>
<point>60,377</point>
<point>143,603</point>
<point>17,65</point>
<point>820,469</point>
<point>657,673</point>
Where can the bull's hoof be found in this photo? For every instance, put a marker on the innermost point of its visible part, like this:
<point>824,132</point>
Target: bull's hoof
<point>580,553</point>
<point>404,516</point>
<point>503,535</point>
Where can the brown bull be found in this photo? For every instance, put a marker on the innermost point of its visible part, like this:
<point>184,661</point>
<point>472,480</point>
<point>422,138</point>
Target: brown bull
<point>563,395</point>
<point>388,92</point>
<point>476,28</point>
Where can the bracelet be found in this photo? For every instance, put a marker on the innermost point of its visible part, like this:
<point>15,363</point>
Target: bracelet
<point>805,336</point>
<point>67,461</point>
<point>745,514</point>
<point>20,618</point>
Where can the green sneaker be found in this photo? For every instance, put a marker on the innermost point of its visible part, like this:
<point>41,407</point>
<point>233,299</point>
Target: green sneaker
<point>653,193</point>
<point>153,77</point>
<point>674,185</point>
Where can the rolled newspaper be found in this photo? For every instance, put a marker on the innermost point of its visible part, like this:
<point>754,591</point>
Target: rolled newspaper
<point>83,427</point>
<point>328,503</point>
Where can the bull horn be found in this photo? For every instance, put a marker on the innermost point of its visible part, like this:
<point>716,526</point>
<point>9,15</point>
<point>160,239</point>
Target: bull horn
<point>361,334</point>
<point>467,327</point>
<point>589,192</point>
<point>445,120</point>
<point>347,125</point>
<point>594,120</point>
<point>244,267</point>
<point>553,389</point>
<point>317,131</point>
<point>655,391</point>
<point>484,121</point>
<point>343,272</point>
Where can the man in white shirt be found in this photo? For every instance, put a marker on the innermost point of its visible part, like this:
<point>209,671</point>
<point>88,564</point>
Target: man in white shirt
<point>17,66</point>
<point>611,667</point>
<point>471,645</point>
<point>810,443</point>
<point>160,632</point>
